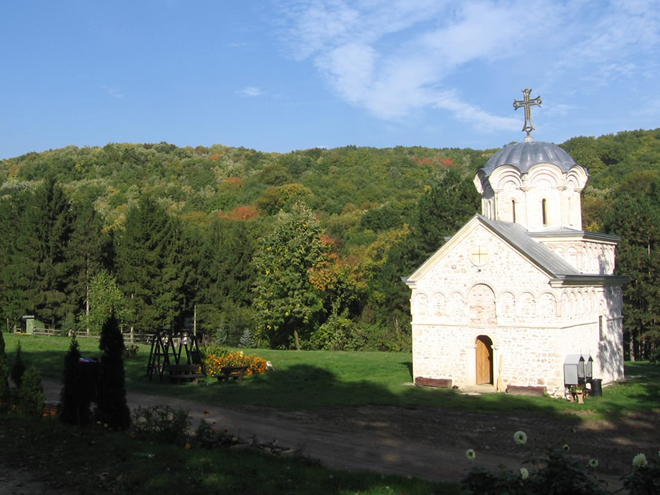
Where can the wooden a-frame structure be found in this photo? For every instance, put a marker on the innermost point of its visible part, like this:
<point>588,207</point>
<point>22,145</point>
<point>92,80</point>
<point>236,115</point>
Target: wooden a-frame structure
<point>167,350</point>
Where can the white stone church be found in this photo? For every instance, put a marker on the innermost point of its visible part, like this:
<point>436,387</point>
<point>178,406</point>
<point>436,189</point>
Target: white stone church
<point>521,286</point>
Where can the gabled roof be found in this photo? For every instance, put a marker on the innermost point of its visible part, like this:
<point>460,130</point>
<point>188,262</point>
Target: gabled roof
<point>519,238</point>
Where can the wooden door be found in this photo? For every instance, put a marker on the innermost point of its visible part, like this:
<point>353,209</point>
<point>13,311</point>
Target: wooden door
<point>484,360</point>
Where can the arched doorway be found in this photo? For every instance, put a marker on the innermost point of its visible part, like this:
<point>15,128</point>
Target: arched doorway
<point>484,360</point>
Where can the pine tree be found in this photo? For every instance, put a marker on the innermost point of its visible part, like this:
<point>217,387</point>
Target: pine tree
<point>247,340</point>
<point>40,269</point>
<point>112,408</point>
<point>151,268</point>
<point>75,406</point>
<point>90,252</point>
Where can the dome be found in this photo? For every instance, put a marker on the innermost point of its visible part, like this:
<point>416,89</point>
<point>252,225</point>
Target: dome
<point>525,155</point>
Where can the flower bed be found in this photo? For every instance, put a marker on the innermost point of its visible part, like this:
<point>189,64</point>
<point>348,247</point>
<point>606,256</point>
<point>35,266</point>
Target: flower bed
<point>216,361</point>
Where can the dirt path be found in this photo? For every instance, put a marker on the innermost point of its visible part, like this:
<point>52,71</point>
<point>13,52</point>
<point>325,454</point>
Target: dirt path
<point>423,442</point>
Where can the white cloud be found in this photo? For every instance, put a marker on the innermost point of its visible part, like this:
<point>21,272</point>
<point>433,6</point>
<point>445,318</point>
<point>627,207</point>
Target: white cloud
<point>249,92</point>
<point>114,92</point>
<point>394,57</point>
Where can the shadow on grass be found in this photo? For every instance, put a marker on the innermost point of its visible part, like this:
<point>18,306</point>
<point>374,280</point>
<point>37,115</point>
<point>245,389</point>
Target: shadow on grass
<point>631,407</point>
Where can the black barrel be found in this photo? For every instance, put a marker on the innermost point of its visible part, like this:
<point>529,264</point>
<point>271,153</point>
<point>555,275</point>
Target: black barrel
<point>597,387</point>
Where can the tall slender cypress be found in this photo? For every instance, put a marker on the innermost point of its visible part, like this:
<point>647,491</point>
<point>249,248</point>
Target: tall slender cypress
<point>75,405</point>
<point>112,407</point>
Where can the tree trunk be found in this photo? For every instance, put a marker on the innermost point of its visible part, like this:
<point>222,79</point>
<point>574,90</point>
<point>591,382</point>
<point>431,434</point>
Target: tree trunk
<point>297,338</point>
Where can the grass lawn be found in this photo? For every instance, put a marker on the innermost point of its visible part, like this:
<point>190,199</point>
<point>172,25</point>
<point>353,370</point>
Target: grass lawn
<point>95,461</point>
<point>315,379</point>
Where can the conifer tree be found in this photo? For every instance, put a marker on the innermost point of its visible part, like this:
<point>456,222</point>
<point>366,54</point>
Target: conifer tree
<point>111,407</point>
<point>151,268</point>
<point>75,406</point>
<point>41,271</point>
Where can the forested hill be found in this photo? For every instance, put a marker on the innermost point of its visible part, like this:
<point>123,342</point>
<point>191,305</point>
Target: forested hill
<point>209,213</point>
<point>195,183</point>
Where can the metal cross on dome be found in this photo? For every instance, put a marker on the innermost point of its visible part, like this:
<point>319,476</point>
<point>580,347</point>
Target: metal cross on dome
<point>527,103</point>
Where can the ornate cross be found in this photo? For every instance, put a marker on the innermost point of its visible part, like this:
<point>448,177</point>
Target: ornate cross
<point>527,103</point>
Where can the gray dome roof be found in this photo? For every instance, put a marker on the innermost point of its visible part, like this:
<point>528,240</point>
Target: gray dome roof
<point>525,155</point>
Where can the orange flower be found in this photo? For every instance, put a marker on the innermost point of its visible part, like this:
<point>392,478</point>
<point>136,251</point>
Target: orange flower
<point>205,411</point>
<point>187,446</point>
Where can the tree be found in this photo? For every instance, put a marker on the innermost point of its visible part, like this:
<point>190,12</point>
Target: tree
<point>75,405</point>
<point>11,295</point>
<point>104,299</point>
<point>90,253</point>
<point>41,271</point>
<point>288,303</point>
<point>111,407</point>
<point>151,266</point>
<point>637,221</point>
<point>444,208</point>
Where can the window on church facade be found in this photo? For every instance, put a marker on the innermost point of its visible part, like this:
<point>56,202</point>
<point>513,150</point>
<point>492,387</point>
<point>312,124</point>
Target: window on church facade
<point>544,213</point>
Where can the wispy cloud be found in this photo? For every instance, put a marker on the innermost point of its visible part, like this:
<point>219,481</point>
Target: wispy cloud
<point>249,92</point>
<point>112,91</point>
<point>394,57</point>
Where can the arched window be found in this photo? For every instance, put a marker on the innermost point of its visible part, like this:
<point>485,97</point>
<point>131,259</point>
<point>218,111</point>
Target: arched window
<point>513,209</point>
<point>544,213</point>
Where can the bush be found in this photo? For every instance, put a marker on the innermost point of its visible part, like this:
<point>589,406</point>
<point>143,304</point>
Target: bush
<point>31,393</point>
<point>4,373</point>
<point>338,333</point>
<point>554,472</point>
<point>645,477</point>
<point>162,424</point>
<point>18,368</point>
<point>247,340</point>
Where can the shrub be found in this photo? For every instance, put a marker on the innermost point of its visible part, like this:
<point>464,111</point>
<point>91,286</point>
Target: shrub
<point>4,373</point>
<point>338,333</point>
<point>162,424</point>
<point>247,340</point>
<point>555,473</point>
<point>215,361</point>
<point>208,437</point>
<point>31,393</point>
<point>645,477</point>
<point>18,368</point>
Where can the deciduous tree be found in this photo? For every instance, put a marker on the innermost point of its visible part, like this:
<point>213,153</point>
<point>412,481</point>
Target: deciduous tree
<point>288,303</point>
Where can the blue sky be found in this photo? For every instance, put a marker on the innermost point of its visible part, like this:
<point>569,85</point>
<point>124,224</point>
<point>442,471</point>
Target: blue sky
<point>281,75</point>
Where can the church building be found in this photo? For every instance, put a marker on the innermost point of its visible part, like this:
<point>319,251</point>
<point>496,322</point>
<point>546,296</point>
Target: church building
<point>520,287</point>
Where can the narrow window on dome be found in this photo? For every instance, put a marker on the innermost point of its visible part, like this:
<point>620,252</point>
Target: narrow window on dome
<point>544,213</point>
<point>513,209</point>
